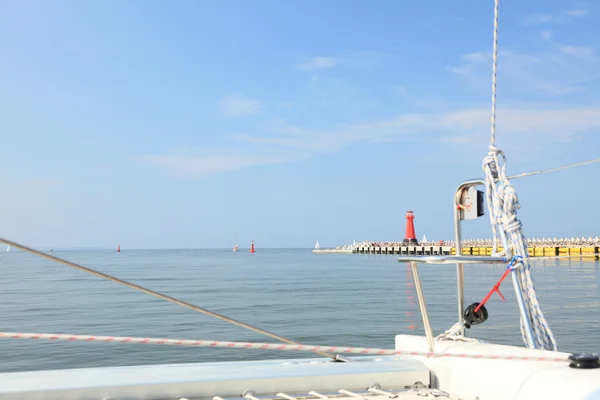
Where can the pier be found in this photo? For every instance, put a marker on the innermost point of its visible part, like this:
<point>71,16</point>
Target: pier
<point>579,248</point>
<point>551,252</point>
<point>536,247</point>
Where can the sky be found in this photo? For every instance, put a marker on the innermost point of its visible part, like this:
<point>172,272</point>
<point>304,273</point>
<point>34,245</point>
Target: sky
<point>202,124</point>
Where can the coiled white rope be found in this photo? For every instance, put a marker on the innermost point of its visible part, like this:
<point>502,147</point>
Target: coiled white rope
<point>503,204</point>
<point>455,333</point>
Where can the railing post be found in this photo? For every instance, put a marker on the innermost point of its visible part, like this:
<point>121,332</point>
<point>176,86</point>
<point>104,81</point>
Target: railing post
<point>423,306</point>
<point>460,269</point>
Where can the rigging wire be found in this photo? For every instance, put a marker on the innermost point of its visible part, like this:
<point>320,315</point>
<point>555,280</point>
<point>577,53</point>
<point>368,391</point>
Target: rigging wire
<point>493,127</point>
<point>157,294</point>
<point>503,204</point>
<point>543,171</point>
<point>494,73</point>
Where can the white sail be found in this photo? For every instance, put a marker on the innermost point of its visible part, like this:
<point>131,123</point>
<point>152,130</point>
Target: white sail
<point>424,240</point>
<point>8,248</point>
<point>317,245</point>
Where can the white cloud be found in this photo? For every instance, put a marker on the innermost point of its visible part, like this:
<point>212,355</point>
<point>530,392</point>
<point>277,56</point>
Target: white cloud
<point>549,124</point>
<point>400,89</point>
<point>526,128</point>
<point>578,12</point>
<point>198,165</point>
<point>546,35</point>
<point>238,105</point>
<point>522,130</point>
<point>557,17</point>
<point>540,18</point>
<point>320,62</point>
<point>576,51</point>
<point>558,70</point>
<point>471,62</point>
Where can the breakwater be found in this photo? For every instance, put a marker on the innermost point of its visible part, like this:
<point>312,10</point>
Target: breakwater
<point>572,248</point>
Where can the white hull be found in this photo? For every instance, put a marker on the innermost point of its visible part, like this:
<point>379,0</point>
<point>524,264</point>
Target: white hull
<point>490,379</point>
<point>463,378</point>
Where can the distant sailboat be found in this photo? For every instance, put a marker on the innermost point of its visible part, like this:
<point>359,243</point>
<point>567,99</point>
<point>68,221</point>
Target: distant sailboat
<point>8,248</point>
<point>317,245</point>
<point>235,248</point>
<point>424,240</point>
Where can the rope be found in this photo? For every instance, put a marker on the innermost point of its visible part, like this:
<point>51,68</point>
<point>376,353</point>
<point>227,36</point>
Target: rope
<point>153,293</point>
<point>494,69</point>
<point>493,129</point>
<point>503,204</point>
<point>543,171</point>
<point>455,333</point>
<point>267,346</point>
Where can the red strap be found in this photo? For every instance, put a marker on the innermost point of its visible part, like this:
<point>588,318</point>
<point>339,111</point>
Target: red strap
<point>496,289</point>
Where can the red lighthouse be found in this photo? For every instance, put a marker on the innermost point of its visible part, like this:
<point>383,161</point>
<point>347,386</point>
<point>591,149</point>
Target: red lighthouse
<point>410,236</point>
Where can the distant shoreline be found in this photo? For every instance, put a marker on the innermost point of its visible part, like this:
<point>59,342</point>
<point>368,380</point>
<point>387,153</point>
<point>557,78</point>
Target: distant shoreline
<point>157,249</point>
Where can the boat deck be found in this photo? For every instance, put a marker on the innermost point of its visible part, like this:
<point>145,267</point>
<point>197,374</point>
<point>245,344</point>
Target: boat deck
<point>252,380</point>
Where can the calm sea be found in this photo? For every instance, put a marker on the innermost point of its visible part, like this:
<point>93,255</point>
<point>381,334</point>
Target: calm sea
<point>327,299</point>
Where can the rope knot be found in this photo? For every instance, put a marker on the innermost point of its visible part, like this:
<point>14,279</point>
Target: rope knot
<point>503,204</point>
<point>515,263</point>
<point>510,223</point>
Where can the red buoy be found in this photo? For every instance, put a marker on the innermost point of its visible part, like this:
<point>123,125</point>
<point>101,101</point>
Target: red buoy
<point>118,248</point>
<point>252,248</point>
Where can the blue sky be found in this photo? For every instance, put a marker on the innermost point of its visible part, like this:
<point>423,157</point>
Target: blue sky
<point>157,124</point>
